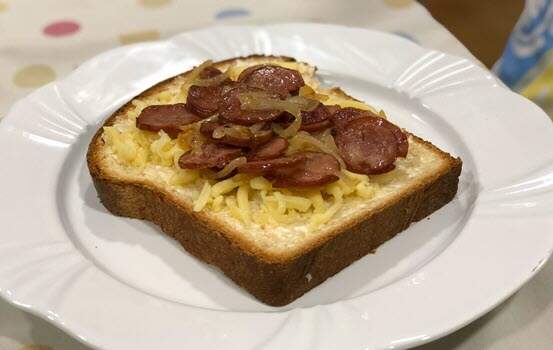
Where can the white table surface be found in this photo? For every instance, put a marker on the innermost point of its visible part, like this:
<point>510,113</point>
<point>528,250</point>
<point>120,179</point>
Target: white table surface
<point>524,321</point>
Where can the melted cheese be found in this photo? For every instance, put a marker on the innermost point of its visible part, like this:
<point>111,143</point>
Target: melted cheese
<point>242,199</point>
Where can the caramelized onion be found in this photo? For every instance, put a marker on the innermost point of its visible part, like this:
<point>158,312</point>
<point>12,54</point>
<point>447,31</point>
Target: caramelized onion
<point>257,127</point>
<point>212,81</point>
<point>232,130</point>
<point>304,138</point>
<point>196,142</point>
<point>327,138</point>
<point>213,118</point>
<point>304,103</point>
<point>229,168</point>
<point>307,91</point>
<point>259,100</point>
<point>291,130</point>
<point>219,132</point>
<point>195,73</point>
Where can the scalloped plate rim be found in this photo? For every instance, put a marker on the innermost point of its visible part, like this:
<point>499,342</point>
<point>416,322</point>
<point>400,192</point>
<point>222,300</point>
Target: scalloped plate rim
<point>60,322</point>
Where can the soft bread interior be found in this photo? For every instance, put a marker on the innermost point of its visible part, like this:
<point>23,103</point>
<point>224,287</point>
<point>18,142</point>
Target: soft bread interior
<point>423,164</point>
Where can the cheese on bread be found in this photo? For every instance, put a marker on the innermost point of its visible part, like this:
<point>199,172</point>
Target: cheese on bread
<point>276,219</point>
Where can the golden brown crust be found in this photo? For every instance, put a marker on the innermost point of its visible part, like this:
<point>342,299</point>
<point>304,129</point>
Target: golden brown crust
<point>275,280</point>
<point>94,161</point>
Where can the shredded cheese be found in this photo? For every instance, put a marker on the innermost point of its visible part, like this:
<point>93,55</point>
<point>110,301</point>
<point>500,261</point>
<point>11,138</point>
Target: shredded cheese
<point>260,183</point>
<point>250,200</point>
<point>230,201</point>
<point>243,203</point>
<point>183,177</point>
<point>217,203</point>
<point>223,187</point>
<point>202,200</point>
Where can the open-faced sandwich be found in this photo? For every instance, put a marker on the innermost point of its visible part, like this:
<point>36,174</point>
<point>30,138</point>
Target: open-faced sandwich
<point>257,170</point>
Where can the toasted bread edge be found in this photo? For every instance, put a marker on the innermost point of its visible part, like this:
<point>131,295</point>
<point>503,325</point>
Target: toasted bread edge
<point>273,280</point>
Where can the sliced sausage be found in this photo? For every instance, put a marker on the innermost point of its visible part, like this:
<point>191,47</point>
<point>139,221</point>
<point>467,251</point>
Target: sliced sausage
<point>304,169</point>
<point>204,100</point>
<point>343,116</point>
<point>401,138</point>
<point>314,169</point>
<point>367,145</point>
<point>270,150</point>
<point>317,119</point>
<point>235,135</point>
<point>210,155</point>
<point>209,72</point>
<point>319,114</point>
<point>268,166</point>
<point>168,118</point>
<point>230,108</point>
<point>332,109</point>
<point>277,79</point>
<point>315,126</point>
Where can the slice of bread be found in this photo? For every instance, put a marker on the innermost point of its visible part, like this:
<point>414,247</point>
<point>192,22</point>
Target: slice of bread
<point>277,263</point>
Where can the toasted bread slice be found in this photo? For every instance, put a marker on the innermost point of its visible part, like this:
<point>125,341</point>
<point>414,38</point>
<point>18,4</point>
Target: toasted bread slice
<point>276,262</point>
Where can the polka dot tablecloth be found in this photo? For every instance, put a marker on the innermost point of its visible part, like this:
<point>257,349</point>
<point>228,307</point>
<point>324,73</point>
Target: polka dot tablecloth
<point>44,40</point>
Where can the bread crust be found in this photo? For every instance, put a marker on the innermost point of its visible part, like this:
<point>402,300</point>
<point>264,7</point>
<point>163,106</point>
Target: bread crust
<point>273,279</point>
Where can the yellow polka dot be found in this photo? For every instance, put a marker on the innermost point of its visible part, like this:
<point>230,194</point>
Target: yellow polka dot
<point>135,37</point>
<point>399,3</point>
<point>36,347</point>
<point>154,3</point>
<point>3,6</point>
<point>34,76</point>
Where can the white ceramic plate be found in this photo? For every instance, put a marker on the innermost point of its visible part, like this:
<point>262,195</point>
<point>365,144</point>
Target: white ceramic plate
<point>117,283</point>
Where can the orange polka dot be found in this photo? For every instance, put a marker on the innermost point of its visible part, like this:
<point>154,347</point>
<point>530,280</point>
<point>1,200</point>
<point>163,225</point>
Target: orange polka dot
<point>135,37</point>
<point>399,3</point>
<point>33,76</point>
<point>36,347</point>
<point>3,6</point>
<point>154,3</point>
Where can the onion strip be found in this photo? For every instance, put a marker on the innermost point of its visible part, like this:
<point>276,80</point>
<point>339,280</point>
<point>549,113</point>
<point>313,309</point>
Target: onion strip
<point>259,100</point>
<point>291,130</point>
<point>194,75</point>
<point>216,80</point>
<point>303,103</point>
<point>257,127</point>
<point>293,105</point>
<point>229,168</point>
<point>303,137</point>
<point>309,92</point>
<point>219,132</point>
<point>232,130</point>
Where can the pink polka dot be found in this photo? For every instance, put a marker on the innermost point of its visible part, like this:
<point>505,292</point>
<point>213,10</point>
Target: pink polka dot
<point>61,28</point>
